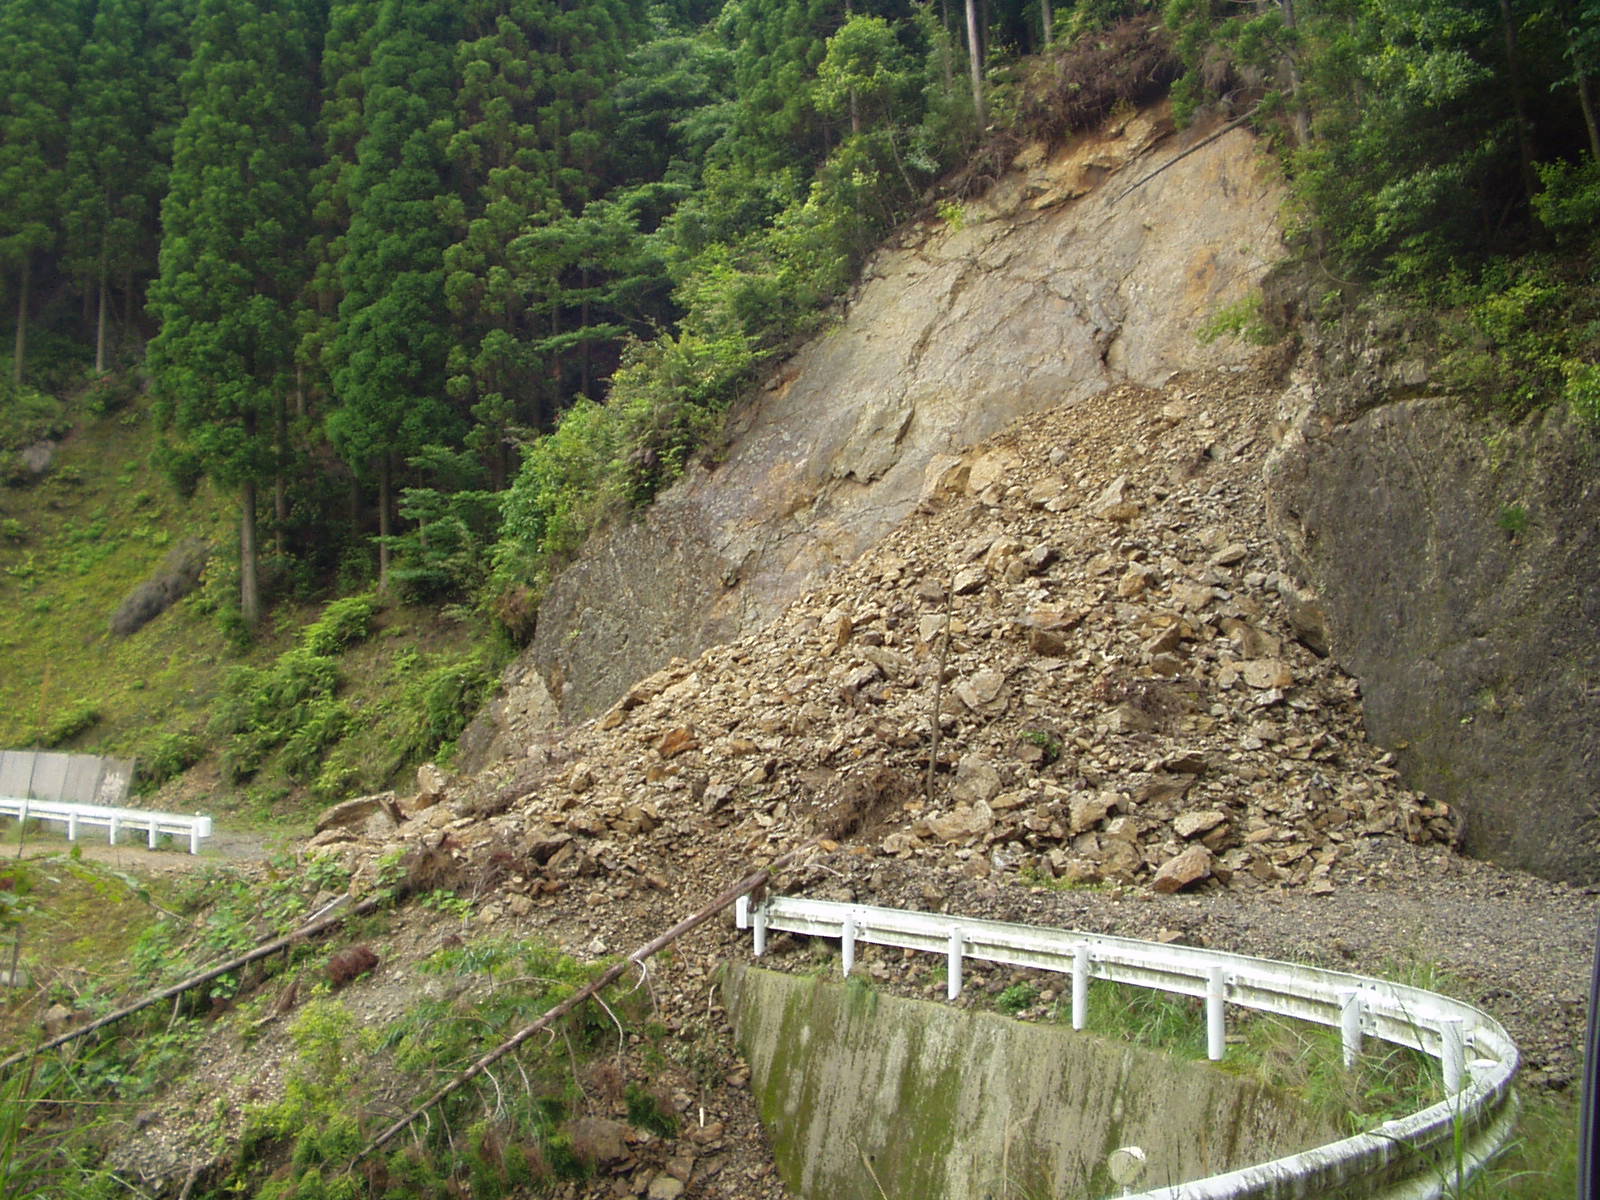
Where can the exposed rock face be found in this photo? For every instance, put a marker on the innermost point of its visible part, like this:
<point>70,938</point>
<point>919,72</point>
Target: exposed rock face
<point>1459,567</point>
<point>1179,739</point>
<point>1053,287</point>
<point>179,575</point>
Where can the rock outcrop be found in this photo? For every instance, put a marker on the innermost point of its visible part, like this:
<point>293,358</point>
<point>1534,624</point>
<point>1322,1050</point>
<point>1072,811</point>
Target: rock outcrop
<point>1057,284</point>
<point>1458,562</point>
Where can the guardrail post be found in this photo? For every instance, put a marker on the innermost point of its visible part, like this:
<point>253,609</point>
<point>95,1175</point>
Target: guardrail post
<point>1080,986</point>
<point>152,839</point>
<point>953,971</point>
<point>1216,1019</point>
<point>194,838</point>
<point>1350,1012</point>
<point>111,830</point>
<point>759,920</point>
<point>847,944</point>
<point>1452,1053</point>
<point>72,827</point>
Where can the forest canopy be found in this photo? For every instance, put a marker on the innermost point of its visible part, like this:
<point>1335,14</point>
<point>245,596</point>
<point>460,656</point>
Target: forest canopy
<point>461,277</point>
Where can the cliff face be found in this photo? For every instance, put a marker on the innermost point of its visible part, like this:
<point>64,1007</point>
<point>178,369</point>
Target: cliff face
<point>1057,284</point>
<point>1459,565</point>
<point>1451,564</point>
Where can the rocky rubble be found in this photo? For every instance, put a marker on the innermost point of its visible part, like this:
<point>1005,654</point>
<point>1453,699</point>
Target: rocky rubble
<point>1128,692</point>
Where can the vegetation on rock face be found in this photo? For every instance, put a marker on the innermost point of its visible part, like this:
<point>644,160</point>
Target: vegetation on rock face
<point>1445,156</point>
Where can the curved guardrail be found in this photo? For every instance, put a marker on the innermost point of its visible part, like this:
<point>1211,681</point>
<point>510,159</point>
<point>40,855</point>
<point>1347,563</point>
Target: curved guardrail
<point>1427,1154</point>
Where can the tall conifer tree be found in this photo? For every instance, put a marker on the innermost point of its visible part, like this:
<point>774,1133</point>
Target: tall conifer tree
<point>387,354</point>
<point>532,148</point>
<point>39,42</point>
<point>124,112</point>
<point>232,253</point>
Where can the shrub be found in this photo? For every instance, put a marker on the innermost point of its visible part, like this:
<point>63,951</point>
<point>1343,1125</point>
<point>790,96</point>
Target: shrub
<point>440,701</point>
<point>107,394</point>
<point>28,415</point>
<point>169,755</point>
<point>68,724</point>
<point>343,624</point>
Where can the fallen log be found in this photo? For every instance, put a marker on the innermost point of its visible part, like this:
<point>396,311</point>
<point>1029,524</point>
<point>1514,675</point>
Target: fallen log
<point>310,929</point>
<point>745,886</point>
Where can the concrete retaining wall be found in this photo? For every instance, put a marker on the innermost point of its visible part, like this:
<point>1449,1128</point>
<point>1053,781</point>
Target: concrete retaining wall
<point>861,1091</point>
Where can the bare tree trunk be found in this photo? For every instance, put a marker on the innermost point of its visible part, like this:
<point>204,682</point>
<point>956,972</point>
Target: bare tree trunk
<point>1580,78</point>
<point>21,346</point>
<point>249,583</point>
<point>975,62</point>
<point>100,330</point>
<point>313,927</point>
<point>1300,114</point>
<point>384,483</point>
<point>946,66</point>
<point>280,486</point>
<point>1045,17</point>
<point>1508,28</point>
<point>855,108</point>
<point>1586,102</point>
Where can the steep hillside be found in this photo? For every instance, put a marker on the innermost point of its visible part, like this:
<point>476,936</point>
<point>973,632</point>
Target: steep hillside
<point>1061,280</point>
<point>1060,675</point>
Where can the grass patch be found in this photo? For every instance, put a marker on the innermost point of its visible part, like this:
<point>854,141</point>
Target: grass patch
<point>520,1126</point>
<point>326,701</point>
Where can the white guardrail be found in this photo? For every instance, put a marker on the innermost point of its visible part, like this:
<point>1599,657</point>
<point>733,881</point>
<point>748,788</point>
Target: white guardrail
<point>1426,1154</point>
<point>113,820</point>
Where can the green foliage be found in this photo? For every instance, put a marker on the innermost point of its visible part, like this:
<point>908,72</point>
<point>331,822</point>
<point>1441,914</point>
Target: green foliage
<point>444,552</point>
<point>1046,741</point>
<point>232,246</point>
<point>515,1137</point>
<point>1410,134</point>
<point>647,1111</point>
<point>1519,334</point>
<point>1569,203</point>
<point>39,41</point>
<point>108,394</point>
<point>1148,1017</point>
<point>1513,518</point>
<point>388,349</point>
<point>1242,319</point>
<point>1016,998</point>
<point>259,710</point>
<point>343,623</point>
<point>28,416</point>
<point>442,901</point>
<point>67,724</point>
<point>438,701</point>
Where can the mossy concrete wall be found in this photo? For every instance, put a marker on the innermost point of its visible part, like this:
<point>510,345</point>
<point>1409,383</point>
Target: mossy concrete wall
<point>868,1096</point>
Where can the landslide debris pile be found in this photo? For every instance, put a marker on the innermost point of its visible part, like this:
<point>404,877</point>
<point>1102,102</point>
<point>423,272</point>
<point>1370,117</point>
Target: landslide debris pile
<point>1130,701</point>
<point>1128,692</point>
